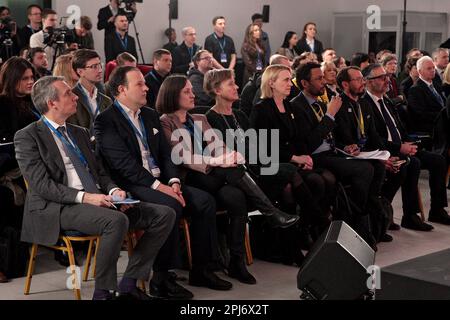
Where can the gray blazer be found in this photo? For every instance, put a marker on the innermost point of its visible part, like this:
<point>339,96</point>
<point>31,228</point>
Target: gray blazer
<point>42,167</point>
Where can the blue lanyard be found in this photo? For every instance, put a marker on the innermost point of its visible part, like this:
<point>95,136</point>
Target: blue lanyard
<point>31,28</point>
<point>72,147</point>
<point>142,136</point>
<point>191,52</point>
<point>86,100</point>
<point>154,77</point>
<point>123,42</point>
<point>222,46</point>
<point>195,133</point>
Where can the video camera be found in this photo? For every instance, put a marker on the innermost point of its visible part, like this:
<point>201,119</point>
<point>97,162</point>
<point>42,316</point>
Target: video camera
<point>7,27</point>
<point>58,36</point>
<point>125,5</point>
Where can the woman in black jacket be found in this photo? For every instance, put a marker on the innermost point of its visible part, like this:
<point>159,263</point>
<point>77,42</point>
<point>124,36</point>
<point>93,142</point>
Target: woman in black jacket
<point>308,42</point>
<point>274,114</point>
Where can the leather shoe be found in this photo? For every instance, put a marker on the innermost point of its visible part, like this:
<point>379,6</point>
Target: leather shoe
<point>205,278</point>
<point>414,222</point>
<point>439,216</point>
<point>169,289</point>
<point>279,219</point>
<point>394,227</point>
<point>135,294</point>
<point>3,278</point>
<point>386,238</point>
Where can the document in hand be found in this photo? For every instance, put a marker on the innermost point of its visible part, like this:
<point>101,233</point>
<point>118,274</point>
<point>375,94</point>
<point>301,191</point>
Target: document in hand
<point>368,155</point>
<point>127,201</point>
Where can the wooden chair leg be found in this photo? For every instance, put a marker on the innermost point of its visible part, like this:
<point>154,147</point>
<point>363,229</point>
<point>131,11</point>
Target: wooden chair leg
<point>130,244</point>
<point>187,238</point>
<point>75,282</point>
<point>87,264</point>
<point>248,249</point>
<point>422,210</point>
<point>31,263</point>
<point>94,264</point>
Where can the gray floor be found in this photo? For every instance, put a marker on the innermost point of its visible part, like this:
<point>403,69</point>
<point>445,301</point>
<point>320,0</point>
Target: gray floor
<point>275,281</point>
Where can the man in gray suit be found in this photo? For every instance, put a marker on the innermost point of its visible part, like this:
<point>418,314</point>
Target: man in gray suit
<point>66,192</point>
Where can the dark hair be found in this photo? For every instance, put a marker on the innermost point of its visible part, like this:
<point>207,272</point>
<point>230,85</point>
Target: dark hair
<point>305,27</point>
<point>287,38</point>
<point>358,58</point>
<point>168,32</point>
<point>125,56</point>
<point>168,100</point>
<point>11,73</point>
<point>366,72</point>
<point>217,18</point>
<point>120,14</point>
<point>31,6</point>
<point>86,23</point>
<point>197,56</point>
<point>46,12</point>
<point>3,8</point>
<point>159,53</point>
<point>119,78</point>
<point>303,72</point>
<point>81,57</point>
<point>410,63</point>
<point>257,16</point>
<point>32,52</point>
<point>344,75</point>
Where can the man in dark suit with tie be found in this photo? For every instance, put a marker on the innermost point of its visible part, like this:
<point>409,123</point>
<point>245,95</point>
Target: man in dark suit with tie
<point>395,139</point>
<point>424,100</point>
<point>70,191</point>
<point>316,122</point>
<point>130,140</point>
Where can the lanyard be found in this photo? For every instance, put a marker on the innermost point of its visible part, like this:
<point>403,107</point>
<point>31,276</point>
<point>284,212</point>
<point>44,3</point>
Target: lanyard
<point>87,100</point>
<point>319,114</point>
<point>154,77</point>
<point>191,52</point>
<point>31,28</point>
<point>195,133</point>
<point>360,120</point>
<point>72,147</point>
<point>142,136</point>
<point>222,45</point>
<point>123,42</point>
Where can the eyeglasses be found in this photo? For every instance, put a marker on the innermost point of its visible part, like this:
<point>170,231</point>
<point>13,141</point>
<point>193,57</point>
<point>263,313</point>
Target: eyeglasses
<point>361,79</point>
<point>94,66</point>
<point>381,76</point>
<point>206,58</point>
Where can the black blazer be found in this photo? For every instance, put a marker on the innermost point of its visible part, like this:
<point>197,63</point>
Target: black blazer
<point>118,146</point>
<point>380,124</point>
<point>153,81</point>
<point>311,131</point>
<point>181,58</point>
<point>103,16</point>
<point>42,166</point>
<point>114,47</point>
<point>423,107</point>
<point>302,46</point>
<point>346,131</point>
<point>265,115</point>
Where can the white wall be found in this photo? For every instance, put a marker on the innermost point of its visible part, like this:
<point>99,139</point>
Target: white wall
<point>152,17</point>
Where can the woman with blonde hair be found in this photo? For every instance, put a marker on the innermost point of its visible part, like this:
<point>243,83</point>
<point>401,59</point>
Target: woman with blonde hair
<point>252,52</point>
<point>63,68</point>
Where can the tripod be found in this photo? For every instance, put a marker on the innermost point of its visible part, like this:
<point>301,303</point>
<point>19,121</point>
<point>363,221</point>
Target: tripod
<point>138,41</point>
<point>6,48</point>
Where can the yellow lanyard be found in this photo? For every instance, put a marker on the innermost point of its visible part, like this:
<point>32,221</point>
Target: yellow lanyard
<point>360,121</point>
<point>319,115</point>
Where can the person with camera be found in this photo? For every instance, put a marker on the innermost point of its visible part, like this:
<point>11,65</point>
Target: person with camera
<point>44,38</point>
<point>395,139</point>
<point>81,37</point>
<point>106,15</point>
<point>119,41</point>
<point>8,37</point>
<point>34,14</point>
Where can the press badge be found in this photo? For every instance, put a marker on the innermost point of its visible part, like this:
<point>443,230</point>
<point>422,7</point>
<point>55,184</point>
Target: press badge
<point>223,57</point>
<point>259,65</point>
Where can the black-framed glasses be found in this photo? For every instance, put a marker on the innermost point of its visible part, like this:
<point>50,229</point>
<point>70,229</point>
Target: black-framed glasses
<point>381,76</point>
<point>94,66</point>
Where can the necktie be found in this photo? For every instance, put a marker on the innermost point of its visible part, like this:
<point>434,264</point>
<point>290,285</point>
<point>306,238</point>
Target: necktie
<point>85,177</point>
<point>389,123</point>
<point>437,95</point>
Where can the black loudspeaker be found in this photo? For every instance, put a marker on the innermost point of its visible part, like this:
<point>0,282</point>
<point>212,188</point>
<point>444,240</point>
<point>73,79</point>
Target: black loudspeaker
<point>173,9</point>
<point>266,13</point>
<point>336,267</point>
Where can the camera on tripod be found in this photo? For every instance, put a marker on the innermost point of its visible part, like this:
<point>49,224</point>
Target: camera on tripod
<point>56,36</point>
<point>7,27</point>
<point>126,6</point>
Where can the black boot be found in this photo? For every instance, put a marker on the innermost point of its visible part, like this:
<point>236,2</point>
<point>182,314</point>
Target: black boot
<point>237,268</point>
<point>276,217</point>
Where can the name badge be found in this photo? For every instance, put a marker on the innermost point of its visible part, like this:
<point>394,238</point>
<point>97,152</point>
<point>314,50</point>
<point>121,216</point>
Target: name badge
<point>223,57</point>
<point>349,110</point>
<point>259,65</point>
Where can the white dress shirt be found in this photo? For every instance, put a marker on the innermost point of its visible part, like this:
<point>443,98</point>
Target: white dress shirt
<point>92,100</point>
<point>375,99</point>
<point>310,44</point>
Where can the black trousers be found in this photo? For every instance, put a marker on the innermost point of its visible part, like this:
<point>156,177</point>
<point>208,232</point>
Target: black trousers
<point>364,176</point>
<point>201,207</point>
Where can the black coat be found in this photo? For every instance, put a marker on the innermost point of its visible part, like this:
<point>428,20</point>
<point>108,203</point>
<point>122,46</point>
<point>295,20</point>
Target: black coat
<point>114,47</point>
<point>153,81</point>
<point>423,107</point>
<point>311,131</point>
<point>182,58</point>
<point>302,46</point>
<point>103,16</point>
<point>346,131</point>
<point>118,146</point>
